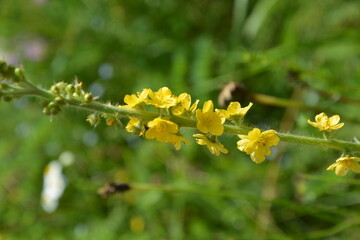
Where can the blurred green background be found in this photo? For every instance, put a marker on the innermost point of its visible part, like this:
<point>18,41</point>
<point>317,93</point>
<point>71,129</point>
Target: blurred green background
<point>304,51</point>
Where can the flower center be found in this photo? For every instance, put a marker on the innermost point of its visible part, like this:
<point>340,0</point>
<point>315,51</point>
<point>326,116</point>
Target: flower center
<point>208,121</point>
<point>261,142</point>
<point>161,127</point>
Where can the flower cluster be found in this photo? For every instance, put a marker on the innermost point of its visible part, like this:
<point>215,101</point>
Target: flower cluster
<point>160,128</point>
<point>327,125</point>
<point>175,112</point>
<point>64,92</point>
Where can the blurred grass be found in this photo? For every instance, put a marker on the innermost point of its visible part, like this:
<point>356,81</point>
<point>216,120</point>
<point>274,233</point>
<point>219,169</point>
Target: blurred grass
<point>119,47</point>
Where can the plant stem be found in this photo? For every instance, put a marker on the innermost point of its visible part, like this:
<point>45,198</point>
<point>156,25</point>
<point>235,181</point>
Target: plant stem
<point>32,90</point>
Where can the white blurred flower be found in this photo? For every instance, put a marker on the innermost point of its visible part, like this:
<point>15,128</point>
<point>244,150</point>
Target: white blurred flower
<point>54,185</point>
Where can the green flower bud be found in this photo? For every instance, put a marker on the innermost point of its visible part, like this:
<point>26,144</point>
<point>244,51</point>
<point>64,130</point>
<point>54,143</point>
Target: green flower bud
<point>70,88</point>
<point>52,105</point>
<point>46,111</point>
<point>75,95</point>
<point>59,101</point>
<point>55,90</point>
<point>55,111</point>
<point>87,98</point>
<point>7,71</point>
<point>19,75</point>
<point>60,85</point>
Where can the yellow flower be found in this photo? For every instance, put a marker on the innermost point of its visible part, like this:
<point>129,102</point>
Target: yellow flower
<point>209,121</point>
<point>163,98</point>
<point>183,105</point>
<point>324,123</point>
<point>257,144</point>
<point>165,131</point>
<point>135,126</point>
<point>135,100</point>
<point>234,111</point>
<point>343,164</point>
<point>214,146</point>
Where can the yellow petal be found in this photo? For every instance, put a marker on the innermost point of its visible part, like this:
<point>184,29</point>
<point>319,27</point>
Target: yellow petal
<point>194,106</point>
<point>132,124</point>
<point>246,109</point>
<point>208,106</point>
<point>314,124</point>
<point>257,157</point>
<point>355,167</point>
<point>334,120</point>
<point>216,128</point>
<point>337,126</point>
<point>151,133</point>
<point>254,134</point>
<point>272,140</point>
<point>341,169</point>
<point>164,91</point>
<point>332,166</point>
<point>321,117</point>
<point>234,107</point>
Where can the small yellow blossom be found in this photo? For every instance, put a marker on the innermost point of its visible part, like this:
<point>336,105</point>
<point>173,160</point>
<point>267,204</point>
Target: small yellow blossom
<point>209,121</point>
<point>234,111</point>
<point>257,144</point>
<point>165,131</point>
<point>135,126</point>
<point>214,146</point>
<point>163,98</point>
<point>343,164</point>
<point>324,123</point>
<point>183,105</point>
<point>135,100</point>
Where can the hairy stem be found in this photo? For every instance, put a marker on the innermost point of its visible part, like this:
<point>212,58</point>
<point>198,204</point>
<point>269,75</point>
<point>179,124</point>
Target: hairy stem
<point>95,106</point>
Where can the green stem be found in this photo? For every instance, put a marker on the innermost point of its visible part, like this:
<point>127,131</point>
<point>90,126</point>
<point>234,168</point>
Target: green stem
<point>328,143</point>
<point>181,121</point>
<point>231,129</point>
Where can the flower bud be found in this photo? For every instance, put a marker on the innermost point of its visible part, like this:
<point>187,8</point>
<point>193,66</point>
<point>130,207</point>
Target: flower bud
<point>46,111</point>
<point>59,101</point>
<point>54,108</point>
<point>75,95</point>
<point>70,88</point>
<point>19,75</point>
<point>60,85</point>
<point>55,89</point>
<point>87,98</point>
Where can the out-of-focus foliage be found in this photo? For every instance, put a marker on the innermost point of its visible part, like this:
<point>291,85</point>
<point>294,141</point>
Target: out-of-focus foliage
<point>116,47</point>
